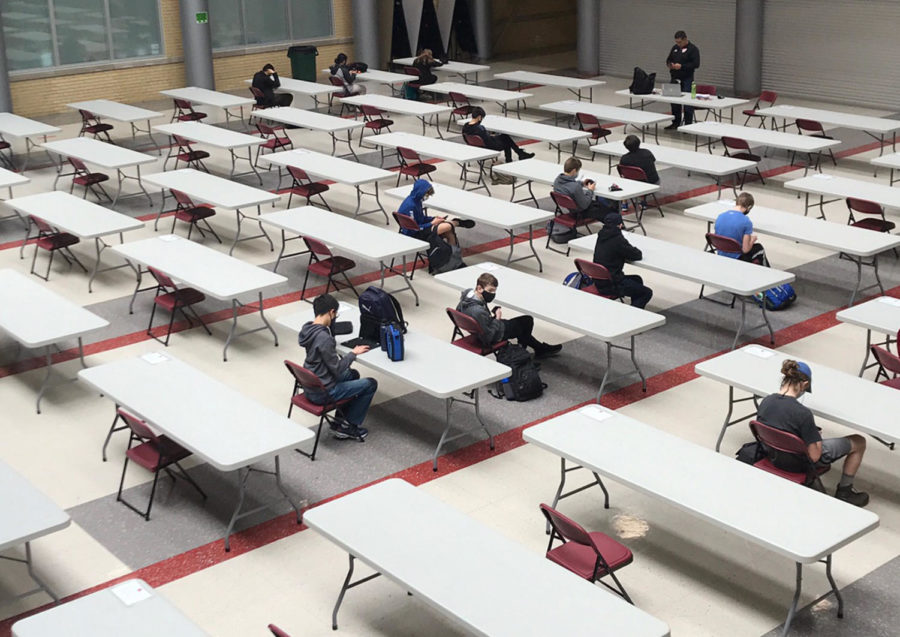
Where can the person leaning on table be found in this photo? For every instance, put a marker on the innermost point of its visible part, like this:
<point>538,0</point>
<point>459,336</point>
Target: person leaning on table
<point>784,411</point>
<point>266,81</point>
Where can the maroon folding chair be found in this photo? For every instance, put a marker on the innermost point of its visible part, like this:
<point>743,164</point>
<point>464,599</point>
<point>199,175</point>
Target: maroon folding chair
<point>306,381</point>
<point>591,556</point>
<point>888,366</point>
<point>874,219</point>
<point>374,121</point>
<point>815,129</point>
<point>258,96</point>
<point>155,454</point>
<point>591,124</point>
<point>717,242</point>
<point>636,173</point>
<point>186,153</point>
<point>6,157</point>
<point>303,186</point>
<point>706,89</point>
<point>323,263</point>
<point>120,416</point>
<point>408,223</point>
<point>597,272</point>
<point>83,177</point>
<point>336,81</point>
<point>277,632</point>
<point>413,72</point>
<point>91,124</point>
<point>172,298</point>
<point>740,149</point>
<point>53,241</point>
<point>411,165</point>
<point>184,112</point>
<point>765,100</point>
<point>192,214</point>
<point>566,215</point>
<point>467,334</point>
<point>784,442</point>
<point>484,168</point>
<point>276,139</point>
<point>461,107</point>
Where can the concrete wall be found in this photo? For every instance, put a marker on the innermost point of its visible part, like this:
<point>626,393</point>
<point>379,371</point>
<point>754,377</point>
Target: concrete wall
<point>523,28</point>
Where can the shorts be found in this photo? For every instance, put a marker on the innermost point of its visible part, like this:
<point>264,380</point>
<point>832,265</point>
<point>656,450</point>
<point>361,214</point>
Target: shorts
<point>834,449</point>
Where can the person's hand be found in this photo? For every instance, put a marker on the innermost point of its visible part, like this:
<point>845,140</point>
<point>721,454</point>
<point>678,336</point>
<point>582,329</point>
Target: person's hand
<point>676,66</point>
<point>360,349</point>
<point>437,220</point>
<point>591,186</point>
<point>498,313</point>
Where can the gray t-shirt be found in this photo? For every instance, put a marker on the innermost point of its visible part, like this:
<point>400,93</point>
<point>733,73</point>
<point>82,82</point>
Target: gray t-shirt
<point>786,413</point>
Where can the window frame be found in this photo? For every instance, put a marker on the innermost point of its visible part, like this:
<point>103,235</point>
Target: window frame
<point>245,46</point>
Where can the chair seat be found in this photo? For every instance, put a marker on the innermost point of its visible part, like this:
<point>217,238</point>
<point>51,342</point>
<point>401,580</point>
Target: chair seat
<point>304,403</point>
<point>276,142</point>
<point>471,343</point>
<point>378,124</point>
<point>190,117</point>
<point>878,225</point>
<point>597,133</point>
<point>745,156</point>
<point>90,179</point>
<point>193,155</point>
<point>417,170</point>
<point>569,220</point>
<point>157,455</point>
<point>192,215</point>
<point>332,265</point>
<point>5,145</point>
<point>181,297</point>
<point>766,465</point>
<point>308,190</point>
<point>581,559</point>
<point>98,128</point>
<point>750,112</point>
<point>892,382</point>
<point>592,289</point>
<point>57,241</point>
<point>463,110</point>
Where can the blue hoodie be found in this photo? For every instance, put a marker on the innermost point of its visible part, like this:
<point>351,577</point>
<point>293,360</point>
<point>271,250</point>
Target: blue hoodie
<point>412,205</point>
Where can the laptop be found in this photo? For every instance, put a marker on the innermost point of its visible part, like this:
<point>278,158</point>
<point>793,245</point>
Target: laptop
<point>671,90</point>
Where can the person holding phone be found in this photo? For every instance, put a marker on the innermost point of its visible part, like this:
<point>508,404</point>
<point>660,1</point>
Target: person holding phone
<point>682,61</point>
<point>582,192</point>
<point>335,372</point>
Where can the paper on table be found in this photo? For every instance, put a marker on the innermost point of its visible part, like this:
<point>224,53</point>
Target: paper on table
<point>154,358</point>
<point>488,266</point>
<point>822,176</point>
<point>131,592</point>
<point>169,237</point>
<point>596,412</point>
<point>759,351</point>
<point>890,300</point>
<point>727,202</point>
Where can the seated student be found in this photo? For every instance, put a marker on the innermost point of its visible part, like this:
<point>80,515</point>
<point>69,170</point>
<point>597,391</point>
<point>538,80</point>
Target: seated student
<point>424,63</point>
<point>412,207</point>
<point>582,192</point>
<point>784,411</point>
<point>474,303</point>
<point>613,251</point>
<point>345,74</point>
<point>334,371</point>
<point>640,157</point>
<point>267,81</point>
<point>493,141</point>
<point>736,225</point>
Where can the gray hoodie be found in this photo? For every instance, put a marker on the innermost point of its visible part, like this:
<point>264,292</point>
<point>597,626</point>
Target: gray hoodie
<point>475,307</point>
<point>575,189</point>
<point>321,354</point>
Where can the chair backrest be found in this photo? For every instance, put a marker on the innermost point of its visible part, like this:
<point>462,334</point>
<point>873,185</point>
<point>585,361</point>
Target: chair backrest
<point>137,426</point>
<point>411,70</point>
<point>42,226</point>
<point>336,81</point>
<point>406,222</point>
<point>723,244</point>
<point>183,105</point>
<point>766,97</point>
<point>298,174</point>
<point>317,247</point>
<point>810,125</point>
<point>459,99</point>
<point>735,143</point>
<point>86,116</point>
<point>277,631</point>
<point>593,270</point>
<point>265,130</point>
<point>889,362</point>
<point>474,140</point>
<point>77,164</point>
<point>370,111</point>
<point>587,121</point>
<point>305,378</point>
<point>864,206</point>
<point>777,439</point>
<point>566,528</point>
<point>409,154</point>
<point>707,89</point>
<point>563,201</point>
<point>464,323</point>
<point>256,92</point>
<point>634,173</point>
<point>182,199</point>
<point>162,278</point>
<point>182,142</point>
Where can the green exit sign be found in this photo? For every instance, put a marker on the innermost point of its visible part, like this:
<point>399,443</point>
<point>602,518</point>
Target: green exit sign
<point>202,17</point>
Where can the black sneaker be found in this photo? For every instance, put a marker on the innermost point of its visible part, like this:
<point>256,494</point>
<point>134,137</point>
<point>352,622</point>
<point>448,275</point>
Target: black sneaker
<point>465,223</point>
<point>851,495</point>
<point>672,126</point>
<point>525,155</point>
<point>359,433</point>
<point>343,431</point>
<point>546,350</point>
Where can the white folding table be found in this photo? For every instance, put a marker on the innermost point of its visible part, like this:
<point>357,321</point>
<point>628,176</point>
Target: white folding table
<point>23,128</point>
<point>841,188</point>
<point>572,84</point>
<point>891,161</point>
<point>303,87</point>
<point>708,102</point>
<point>104,155</point>
<point>129,608</point>
<point>499,96</point>
<point>37,317</point>
<point>795,522</point>
<point>881,315</point>
<point>118,112</point>
<point>452,67</point>
<point>641,120</point>
<point>8,179</point>
<point>216,137</point>
<point>506,215</point>
<point>313,121</point>
<point>348,235</point>
<point>858,245</point>
<point>76,216</point>
<point>874,127</point>
<point>206,97</point>
<point>468,572</point>
<point>429,364</point>
<point>555,136</point>
<point>591,315</point>
<point>209,271</point>
<point>426,113</point>
<point>218,192</point>
<point>210,419</point>
<point>742,279</point>
<point>28,515</point>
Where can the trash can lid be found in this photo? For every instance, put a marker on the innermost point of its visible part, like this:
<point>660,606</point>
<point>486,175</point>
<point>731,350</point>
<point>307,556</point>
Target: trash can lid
<point>302,48</point>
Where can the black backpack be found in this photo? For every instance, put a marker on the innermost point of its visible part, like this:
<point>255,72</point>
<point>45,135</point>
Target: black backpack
<point>524,383</point>
<point>641,83</point>
<point>377,308</point>
<point>442,257</point>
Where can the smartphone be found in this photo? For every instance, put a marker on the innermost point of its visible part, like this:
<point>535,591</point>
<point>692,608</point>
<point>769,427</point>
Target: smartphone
<point>494,310</point>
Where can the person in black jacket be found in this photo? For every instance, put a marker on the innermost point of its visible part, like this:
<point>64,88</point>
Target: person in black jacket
<point>423,64</point>
<point>612,251</point>
<point>494,142</point>
<point>266,81</point>
<point>640,157</point>
<point>683,60</point>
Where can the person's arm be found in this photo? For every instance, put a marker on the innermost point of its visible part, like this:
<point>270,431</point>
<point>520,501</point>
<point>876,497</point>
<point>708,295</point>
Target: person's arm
<point>276,83</point>
<point>814,450</point>
<point>421,218</point>
<point>748,241</point>
<point>669,57</point>
<point>327,354</point>
<point>630,252</point>
<point>692,60</point>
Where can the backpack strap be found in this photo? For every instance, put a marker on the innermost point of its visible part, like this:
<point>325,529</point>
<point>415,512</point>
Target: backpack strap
<point>399,311</point>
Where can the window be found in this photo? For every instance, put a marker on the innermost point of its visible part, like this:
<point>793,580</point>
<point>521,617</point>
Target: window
<point>237,23</point>
<point>84,30</point>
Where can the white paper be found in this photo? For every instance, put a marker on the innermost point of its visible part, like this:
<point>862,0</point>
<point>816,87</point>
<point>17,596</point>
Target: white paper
<point>488,266</point>
<point>169,237</point>
<point>132,592</point>
<point>822,176</point>
<point>344,307</point>
<point>728,202</point>
<point>889,300</point>
<point>595,412</point>
<point>760,352</point>
<point>154,358</point>
<point>786,107</point>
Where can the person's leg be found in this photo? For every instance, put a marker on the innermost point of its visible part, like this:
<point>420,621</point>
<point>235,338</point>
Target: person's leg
<point>283,99</point>
<point>852,448</point>
<point>688,110</point>
<point>521,329</point>
<point>676,116</point>
<point>633,287</point>
<point>361,390</point>
<point>447,231</point>
<point>509,145</point>
<point>757,254</point>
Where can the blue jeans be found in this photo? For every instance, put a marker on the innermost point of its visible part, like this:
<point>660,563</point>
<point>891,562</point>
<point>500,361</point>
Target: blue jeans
<point>350,385</point>
<point>688,110</point>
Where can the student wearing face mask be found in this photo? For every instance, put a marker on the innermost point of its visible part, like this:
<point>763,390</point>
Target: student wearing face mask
<point>474,302</point>
<point>413,207</point>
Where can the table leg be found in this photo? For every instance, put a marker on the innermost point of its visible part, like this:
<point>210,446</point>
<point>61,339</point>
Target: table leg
<point>385,268</point>
<point>29,564</point>
<point>637,369</point>
<point>799,584</point>
<point>562,483</point>
<point>28,224</point>
<point>347,586</point>
<point>732,401</point>
<point>232,335</point>
<point>448,402</point>
<point>349,142</point>
<point>235,157</point>
<point>45,384</point>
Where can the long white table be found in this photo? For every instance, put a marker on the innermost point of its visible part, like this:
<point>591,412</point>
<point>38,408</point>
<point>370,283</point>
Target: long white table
<point>216,191</point>
<point>555,136</point>
<point>206,97</point>
<point>213,421</point>
<point>76,216</point>
<point>708,102</point>
<point>426,113</point>
<point>8,179</point>
<point>875,127</point>
<point>486,210</point>
<point>23,128</point>
<point>840,188</point>
<point>376,76</point>
<point>98,153</point>
<point>434,366</point>
<point>131,608</point>
<point>742,279</point>
<point>452,67</point>
<point>798,523</point>
<point>891,161</point>
<point>313,121</point>
<point>36,317</point>
<point>641,120</point>
<point>572,84</point>
<point>213,273</point>
<point>840,397</point>
<point>303,87</point>
<point>348,235</point>
<point>500,97</point>
<point>28,515</point>
<point>214,136</point>
<point>859,245</point>
<point>716,166</point>
<point>881,315</point>
<point>118,112</point>
<point>468,572</point>
<point>591,315</point>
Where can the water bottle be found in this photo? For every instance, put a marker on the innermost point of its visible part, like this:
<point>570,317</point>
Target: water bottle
<point>693,90</point>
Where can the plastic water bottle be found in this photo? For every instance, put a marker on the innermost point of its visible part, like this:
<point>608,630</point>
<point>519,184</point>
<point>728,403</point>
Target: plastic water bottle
<point>693,90</point>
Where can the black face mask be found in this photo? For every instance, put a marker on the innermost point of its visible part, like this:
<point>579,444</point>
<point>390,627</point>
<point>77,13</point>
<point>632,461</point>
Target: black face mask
<point>488,296</point>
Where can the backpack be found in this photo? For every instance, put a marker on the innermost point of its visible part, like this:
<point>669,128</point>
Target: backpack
<point>777,298</point>
<point>560,233</point>
<point>362,67</point>
<point>751,452</point>
<point>377,308</point>
<point>524,383</point>
<point>392,340</point>
<point>442,257</point>
<point>578,281</point>
<point>641,83</point>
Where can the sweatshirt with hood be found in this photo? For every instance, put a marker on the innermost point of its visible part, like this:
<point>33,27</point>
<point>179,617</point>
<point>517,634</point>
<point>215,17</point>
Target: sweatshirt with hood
<point>412,205</point>
<point>492,328</point>
<point>321,354</point>
<point>612,251</point>
<point>575,189</point>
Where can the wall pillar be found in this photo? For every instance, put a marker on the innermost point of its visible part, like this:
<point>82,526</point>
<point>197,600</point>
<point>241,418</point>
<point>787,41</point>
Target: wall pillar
<point>748,44</point>
<point>197,42</point>
<point>365,33</point>
<point>481,22</point>
<point>588,42</point>
<point>5,95</point>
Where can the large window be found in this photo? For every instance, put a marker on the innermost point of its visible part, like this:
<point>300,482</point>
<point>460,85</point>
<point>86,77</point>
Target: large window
<point>46,33</point>
<point>238,23</point>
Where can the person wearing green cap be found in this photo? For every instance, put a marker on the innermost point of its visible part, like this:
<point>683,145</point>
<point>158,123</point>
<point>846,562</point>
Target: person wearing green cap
<point>784,411</point>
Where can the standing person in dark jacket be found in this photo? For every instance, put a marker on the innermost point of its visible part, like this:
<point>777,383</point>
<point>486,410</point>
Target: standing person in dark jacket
<point>266,81</point>
<point>499,141</point>
<point>612,251</point>
<point>423,64</point>
<point>640,157</point>
<point>334,371</point>
<point>683,60</point>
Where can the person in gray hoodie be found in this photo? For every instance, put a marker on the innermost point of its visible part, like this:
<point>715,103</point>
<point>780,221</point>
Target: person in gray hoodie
<point>582,192</point>
<point>334,371</point>
<point>474,302</point>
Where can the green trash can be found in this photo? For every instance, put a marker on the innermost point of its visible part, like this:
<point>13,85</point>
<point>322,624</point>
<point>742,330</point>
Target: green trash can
<point>303,62</point>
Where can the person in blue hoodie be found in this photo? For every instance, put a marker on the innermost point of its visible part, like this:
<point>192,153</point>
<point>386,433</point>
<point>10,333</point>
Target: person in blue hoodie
<point>413,207</point>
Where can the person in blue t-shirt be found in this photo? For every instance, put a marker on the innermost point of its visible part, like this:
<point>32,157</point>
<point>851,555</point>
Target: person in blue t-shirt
<point>735,224</point>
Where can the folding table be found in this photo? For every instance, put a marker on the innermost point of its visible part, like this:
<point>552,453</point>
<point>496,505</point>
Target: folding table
<point>874,127</point>
<point>881,315</point>
<point>217,137</point>
<point>555,136</point>
<point>206,97</point>
<point>303,87</point>
<point>572,84</point>
<point>499,96</point>
<point>452,67</point>
<point>313,121</point>
<point>708,102</point>
<point>8,179</point>
<point>841,188</point>
<point>641,120</point>
<point>21,127</point>
<point>423,111</point>
<point>118,112</point>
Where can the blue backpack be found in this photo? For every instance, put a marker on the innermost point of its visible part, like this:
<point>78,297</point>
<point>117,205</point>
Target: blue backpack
<point>578,281</point>
<point>392,341</point>
<point>777,298</point>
